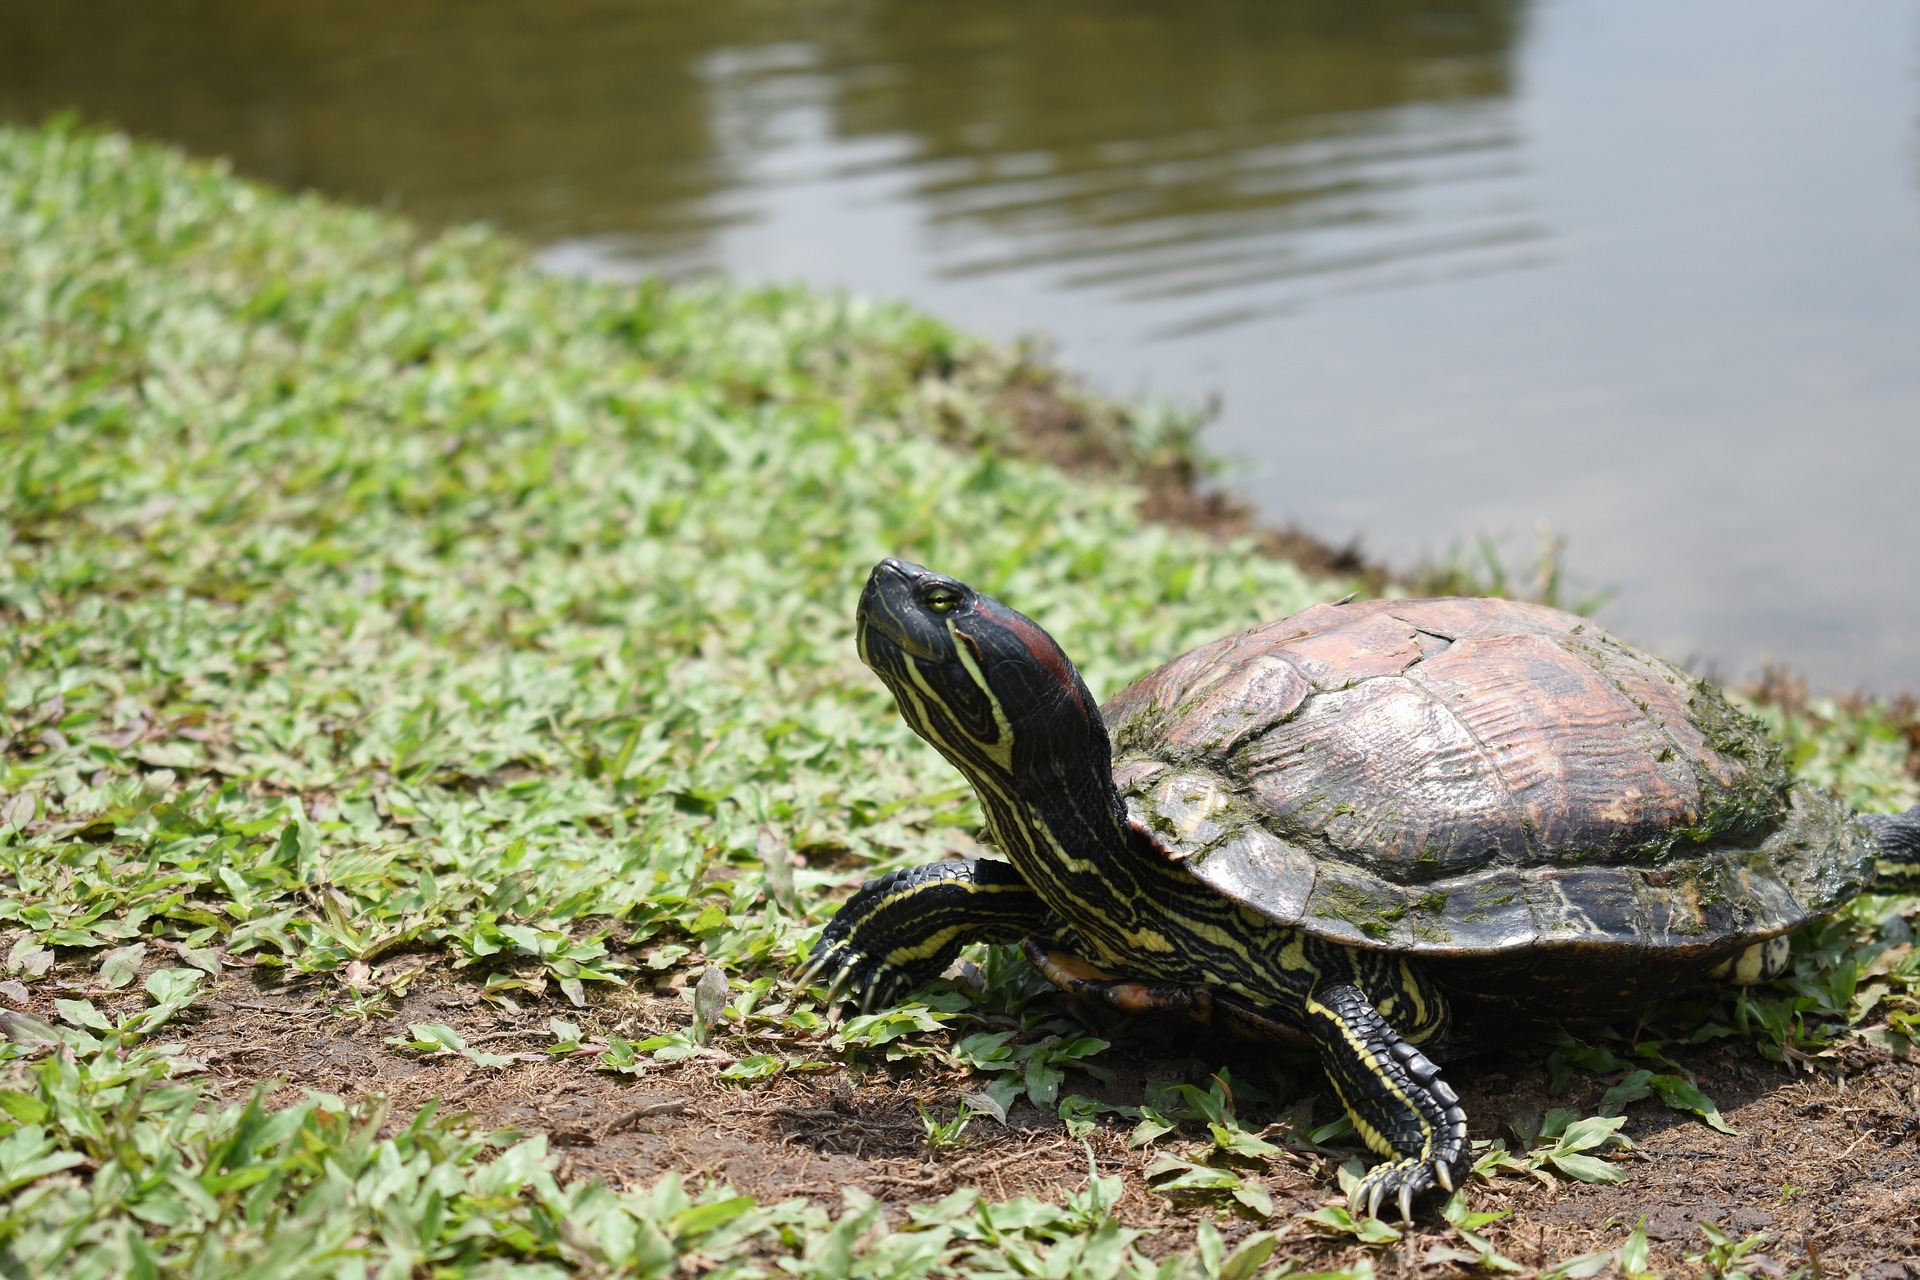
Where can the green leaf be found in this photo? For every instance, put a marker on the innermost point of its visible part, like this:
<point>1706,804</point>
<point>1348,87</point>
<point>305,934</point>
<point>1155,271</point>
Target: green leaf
<point>174,987</point>
<point>986,1051</point>
<point>692,1223</point>
<point>1593,1131</point>
<point>1633,1087</point>
<point>1583,1168</point>
<point>622,1056</point>
<point>1458,1215</point>
<point>206,959</point>
<point>985,1104</point>
<point>1255,1197</point>
<point>1080,1113</point>
<point>1170,1173</point>
<point>1250,1253</point>
<point>1338,1220</point>
<point>22,1106</point>
<point>28,1154</point>
<point>884,1028</point>
<point>81,1013</point>
<point>1043,1082</point>
<point>761,1066</point>
<point>1238,1142</point>
<point>436,1035</point>
<point>1003,1091</point>
<point>1152,1127</point>
<point>1579,1268</point>
<point>1635,1255</point>
<point>1683,1095</point>
<point>28,957</point>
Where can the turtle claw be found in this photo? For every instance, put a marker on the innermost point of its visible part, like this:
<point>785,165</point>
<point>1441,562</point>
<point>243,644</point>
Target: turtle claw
<point>835,987</point>
<point>853,977</point>
<point>899,931</point>
<point>811,971</point>
<point>1399,1184</point>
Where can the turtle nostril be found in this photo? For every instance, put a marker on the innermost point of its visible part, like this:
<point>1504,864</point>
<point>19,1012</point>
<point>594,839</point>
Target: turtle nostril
<point>906,570</point>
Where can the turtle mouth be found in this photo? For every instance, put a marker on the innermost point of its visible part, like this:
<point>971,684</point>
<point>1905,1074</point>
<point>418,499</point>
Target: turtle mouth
<point>890,612</point>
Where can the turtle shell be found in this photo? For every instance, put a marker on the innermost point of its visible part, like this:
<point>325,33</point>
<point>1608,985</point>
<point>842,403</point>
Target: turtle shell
<point>1502,788</point>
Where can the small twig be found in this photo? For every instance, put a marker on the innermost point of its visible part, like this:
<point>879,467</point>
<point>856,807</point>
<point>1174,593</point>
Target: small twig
<point>269,1008</point>
<point>469,1088</point>
<point>507,1034</point>
<point>641,1112</point>
<point>235,1051</point>
<point>922,1181</point>
<point>995,1166</point>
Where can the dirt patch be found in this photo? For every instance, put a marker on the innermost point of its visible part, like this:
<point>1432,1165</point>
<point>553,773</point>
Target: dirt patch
<point>1826,1163</point>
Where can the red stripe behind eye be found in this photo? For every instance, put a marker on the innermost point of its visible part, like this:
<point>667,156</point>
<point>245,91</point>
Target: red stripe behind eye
<point>1044,650</point>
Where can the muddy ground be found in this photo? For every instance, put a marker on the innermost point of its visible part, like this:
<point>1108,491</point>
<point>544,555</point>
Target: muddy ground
<point>1827,1161</point>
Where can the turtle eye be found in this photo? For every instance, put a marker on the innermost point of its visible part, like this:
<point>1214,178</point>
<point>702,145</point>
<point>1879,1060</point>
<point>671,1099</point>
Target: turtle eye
<point>940,598</point>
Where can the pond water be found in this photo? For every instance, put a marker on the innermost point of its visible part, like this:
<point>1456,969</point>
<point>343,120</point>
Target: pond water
<point>1644,274</point>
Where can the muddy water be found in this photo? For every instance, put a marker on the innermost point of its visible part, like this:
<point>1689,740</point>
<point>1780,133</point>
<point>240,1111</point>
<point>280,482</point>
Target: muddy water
<point>1649,274</point>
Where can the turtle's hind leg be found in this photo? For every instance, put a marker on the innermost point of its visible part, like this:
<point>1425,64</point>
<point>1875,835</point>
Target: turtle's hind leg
<point>900,931</point>
<point>1897,868</point>
<point>1399,1104</point>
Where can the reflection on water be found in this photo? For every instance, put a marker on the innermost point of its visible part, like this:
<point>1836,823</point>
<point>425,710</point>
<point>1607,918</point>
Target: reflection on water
<point>1153,152</point>
<point>1649,273</point>
<point>1212,153</point>
<point>1127,143</point>
<point>563,118</point>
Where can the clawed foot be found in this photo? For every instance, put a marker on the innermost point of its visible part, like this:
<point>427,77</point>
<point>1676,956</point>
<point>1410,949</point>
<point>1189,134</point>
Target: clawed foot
<point>1443,1159</point>
<point>898,932</point>
<point>1399,1103</point>
<point>858,950</point>
<point>1400,1183</point>
<point>866,981</point>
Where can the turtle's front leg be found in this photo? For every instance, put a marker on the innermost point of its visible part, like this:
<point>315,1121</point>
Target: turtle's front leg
<point>900,931</point>
<point>1399,1104</point>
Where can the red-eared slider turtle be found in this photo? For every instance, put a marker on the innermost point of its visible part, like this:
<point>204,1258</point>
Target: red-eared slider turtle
<point>1331,828</point>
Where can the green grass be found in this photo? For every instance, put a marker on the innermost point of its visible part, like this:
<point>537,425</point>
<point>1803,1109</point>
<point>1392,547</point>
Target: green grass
<point>366,591</point>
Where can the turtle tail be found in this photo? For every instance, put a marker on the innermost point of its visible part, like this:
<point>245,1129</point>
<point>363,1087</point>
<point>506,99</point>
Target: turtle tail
<point>1897,868</point>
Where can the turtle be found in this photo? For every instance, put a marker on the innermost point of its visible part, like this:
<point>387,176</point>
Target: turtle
<point>1336,829</point>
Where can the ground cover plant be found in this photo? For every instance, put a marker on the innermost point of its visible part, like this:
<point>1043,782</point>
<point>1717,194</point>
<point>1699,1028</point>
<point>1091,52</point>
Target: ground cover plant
<point>433,736</point>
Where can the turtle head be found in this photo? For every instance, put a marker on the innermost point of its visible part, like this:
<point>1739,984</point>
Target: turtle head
<point>984,684</point>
